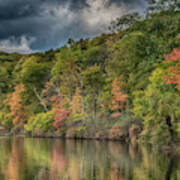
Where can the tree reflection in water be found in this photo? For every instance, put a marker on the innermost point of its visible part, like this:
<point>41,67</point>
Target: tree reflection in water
<point>53,159</point>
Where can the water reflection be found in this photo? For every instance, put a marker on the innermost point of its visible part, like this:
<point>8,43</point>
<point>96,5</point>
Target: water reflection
<point>53,159</point>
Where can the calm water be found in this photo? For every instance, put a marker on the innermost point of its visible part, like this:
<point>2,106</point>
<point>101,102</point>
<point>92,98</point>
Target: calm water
<point>53,159</point>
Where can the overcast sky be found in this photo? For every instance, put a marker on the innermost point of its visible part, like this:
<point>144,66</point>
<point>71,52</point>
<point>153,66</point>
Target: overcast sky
<point>37,25</point>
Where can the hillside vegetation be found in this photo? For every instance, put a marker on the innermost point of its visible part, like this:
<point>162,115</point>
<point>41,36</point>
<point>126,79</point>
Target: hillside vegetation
<point>123,85</point>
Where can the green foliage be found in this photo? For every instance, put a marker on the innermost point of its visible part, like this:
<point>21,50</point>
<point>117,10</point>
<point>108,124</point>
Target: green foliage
<point>4,120</point>
<point>129,53</point>
<point>42,122</point>
<point>33,73</point>
<point>158,107</point>
<point>4,77</point>
<point>80,76</point>
<point>93,78</point>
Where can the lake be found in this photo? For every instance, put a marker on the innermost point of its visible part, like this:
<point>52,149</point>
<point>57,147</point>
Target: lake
<point>54,159</point>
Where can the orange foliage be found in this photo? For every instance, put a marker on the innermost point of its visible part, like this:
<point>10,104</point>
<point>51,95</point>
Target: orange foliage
<point>173,76</point>
<point>60,113</point>
<point>119,98</point>
<point>173,56</point>
<point>116,114</point>
<point>14,100</point>
<point>76,104</point>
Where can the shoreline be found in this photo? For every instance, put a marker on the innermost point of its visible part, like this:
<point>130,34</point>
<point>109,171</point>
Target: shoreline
<point>170,149</point>
<point>66,138</point>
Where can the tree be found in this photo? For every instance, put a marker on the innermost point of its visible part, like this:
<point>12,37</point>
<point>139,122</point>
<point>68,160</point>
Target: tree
<point>124,22</point>
<point>40,122</point>
<point>77,106</point>
<point>158,107</point>
<point>119,98</point>
<point>65,73</point>
<point>93,80</point>
<point>17,108</point>
<point>59,112</point>
<point>173,76</point>
<point>48,92</point>
<point>127,55</point>
<point>163,5</point>
<point>4,77</point>
<point>33,76</point>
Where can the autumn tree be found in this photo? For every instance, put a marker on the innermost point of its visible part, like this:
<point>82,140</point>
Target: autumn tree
<point>173,76</point>
<point>59,111</point>
<point>49,90</point>
<point>15,102</point>
<point>77,106</point>
<point>119,97</point>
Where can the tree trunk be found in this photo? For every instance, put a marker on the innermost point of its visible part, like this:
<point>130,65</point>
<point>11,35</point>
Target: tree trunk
<point>81,87</point>
<point>40,99</point>
<point>169,123</point>
<point>94,104</point>
<point>170,169</point>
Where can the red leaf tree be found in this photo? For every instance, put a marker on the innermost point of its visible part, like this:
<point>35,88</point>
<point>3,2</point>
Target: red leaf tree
<point>173,71</point>
<point>60,113</point>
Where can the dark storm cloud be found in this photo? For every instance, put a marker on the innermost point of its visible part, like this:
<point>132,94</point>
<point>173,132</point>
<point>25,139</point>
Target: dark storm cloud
<point>28,25</point>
